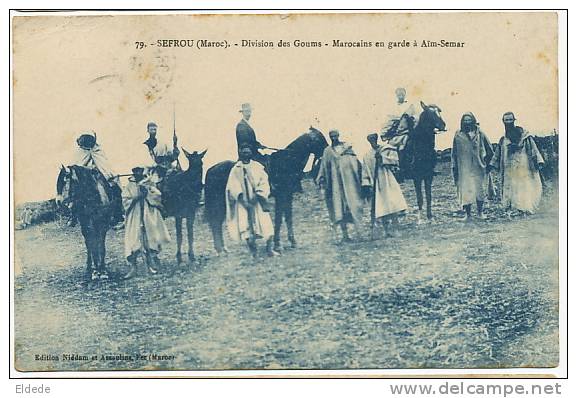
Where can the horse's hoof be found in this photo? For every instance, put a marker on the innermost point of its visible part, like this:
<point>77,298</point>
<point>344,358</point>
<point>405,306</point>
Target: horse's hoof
<point>129,275</point>
<point>273,253</point>
<point>293,243</point>
<point>94,276</point>
<point>104,276</point>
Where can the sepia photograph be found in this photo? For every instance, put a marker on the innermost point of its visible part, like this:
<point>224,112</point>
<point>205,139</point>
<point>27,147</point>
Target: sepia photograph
<point>293,191</point>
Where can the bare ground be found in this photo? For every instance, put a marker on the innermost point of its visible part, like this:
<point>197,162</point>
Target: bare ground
<point>445,294</point>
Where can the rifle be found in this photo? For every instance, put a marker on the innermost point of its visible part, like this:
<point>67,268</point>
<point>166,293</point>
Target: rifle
<point>374,198</point>
<point>174,137</point>
<point>249,208</point>
<point>145,246</point>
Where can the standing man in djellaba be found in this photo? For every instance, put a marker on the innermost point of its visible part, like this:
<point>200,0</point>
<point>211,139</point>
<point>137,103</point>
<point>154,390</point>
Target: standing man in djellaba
<point>247,206</point>
<point>340,178</point>
<point>471,154</point>
<point>519,161</point>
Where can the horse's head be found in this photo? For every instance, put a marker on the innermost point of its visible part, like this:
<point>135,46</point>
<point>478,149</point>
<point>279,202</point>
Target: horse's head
<point>194,160</point>
<point>431,118</point>
<point>319,142</point>
<point>318,148</point>
<point>63,185</point>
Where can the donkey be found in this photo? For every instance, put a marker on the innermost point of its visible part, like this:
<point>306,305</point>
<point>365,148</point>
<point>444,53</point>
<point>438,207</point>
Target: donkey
<point>181,192</point>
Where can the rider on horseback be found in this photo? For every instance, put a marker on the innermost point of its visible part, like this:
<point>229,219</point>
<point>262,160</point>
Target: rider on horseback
<point>165,159</point>
<point>394,126</point>
<point>246,135</point>
<point>89,154</point>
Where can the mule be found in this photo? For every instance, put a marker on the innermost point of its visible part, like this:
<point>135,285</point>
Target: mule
<point>89,195</point>
<point>181,192</point>
<point>285,170</point>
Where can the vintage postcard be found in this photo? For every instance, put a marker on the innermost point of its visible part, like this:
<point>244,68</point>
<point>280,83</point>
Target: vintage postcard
<point>295,191</point>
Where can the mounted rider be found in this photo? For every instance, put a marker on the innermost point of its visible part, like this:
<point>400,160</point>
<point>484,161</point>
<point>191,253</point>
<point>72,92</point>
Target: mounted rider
<point>164,155</point>
<point>395,133</point>
<point>245,135</point>
<point>89,154</point>
<point>394,118</point>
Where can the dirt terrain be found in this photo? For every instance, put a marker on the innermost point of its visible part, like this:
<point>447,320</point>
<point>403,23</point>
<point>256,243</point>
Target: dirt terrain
<point>446,294</point>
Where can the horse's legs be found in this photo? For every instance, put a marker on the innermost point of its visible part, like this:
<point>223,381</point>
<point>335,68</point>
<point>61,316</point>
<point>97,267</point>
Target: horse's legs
<point>289,222</point>
<point>98,263</point>
<point>217,236</point>
<point>418,190</point>
<point>428,193</point>
<point>344,230</point>
<point>178,225</point>
<point>103,249</point>
<point>278,216</point>
<point>87,241</point>
<point>190,235</point>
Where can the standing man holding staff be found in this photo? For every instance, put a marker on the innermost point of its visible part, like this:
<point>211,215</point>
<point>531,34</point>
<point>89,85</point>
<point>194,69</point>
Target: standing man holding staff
<point>145,232</point>
<point>380,184</point>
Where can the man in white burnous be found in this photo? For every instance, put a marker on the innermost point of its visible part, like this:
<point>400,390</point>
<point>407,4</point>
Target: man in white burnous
<point>247,206</point>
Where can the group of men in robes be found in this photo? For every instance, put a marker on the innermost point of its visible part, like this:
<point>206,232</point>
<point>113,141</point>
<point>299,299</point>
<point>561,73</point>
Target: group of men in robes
<point>139,203</point>
<point>347,182</point>
<point>516,158</point>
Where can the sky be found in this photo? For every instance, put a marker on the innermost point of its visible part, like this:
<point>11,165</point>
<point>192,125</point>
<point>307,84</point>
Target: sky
<point>73,74</point>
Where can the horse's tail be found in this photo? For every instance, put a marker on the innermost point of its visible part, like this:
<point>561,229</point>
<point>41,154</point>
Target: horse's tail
<point>214,192</point>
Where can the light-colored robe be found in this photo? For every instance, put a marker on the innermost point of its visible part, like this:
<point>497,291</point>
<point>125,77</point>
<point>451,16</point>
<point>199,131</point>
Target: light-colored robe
<point>340,171</point>
<point>143,212</point>
<point>470,154</point>
<point>252,181</point>
<point>93,158</point>
<point>164,149</point>
<point>395,113</point>
<point>519,167</point>
<point>388,197</point>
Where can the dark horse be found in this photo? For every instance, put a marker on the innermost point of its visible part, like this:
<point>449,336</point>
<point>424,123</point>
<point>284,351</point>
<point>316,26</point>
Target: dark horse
<point>285,170</point>
<point>181,192</point>
<point>89,194</point>
<point>418,159</point>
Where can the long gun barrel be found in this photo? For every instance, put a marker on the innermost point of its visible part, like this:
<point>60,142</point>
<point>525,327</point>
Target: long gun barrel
<point>174,137</point>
